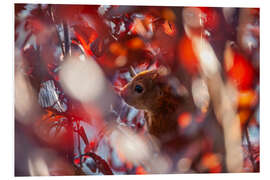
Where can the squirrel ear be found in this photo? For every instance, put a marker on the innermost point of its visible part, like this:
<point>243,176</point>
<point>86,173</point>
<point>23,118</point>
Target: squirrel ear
<point>132,71</point>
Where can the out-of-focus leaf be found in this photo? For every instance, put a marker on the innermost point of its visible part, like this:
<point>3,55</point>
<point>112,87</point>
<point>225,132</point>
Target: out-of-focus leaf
<point>98,46</point>
<point>101,164</point>
<point>241,72</point>
<point>83,135</point>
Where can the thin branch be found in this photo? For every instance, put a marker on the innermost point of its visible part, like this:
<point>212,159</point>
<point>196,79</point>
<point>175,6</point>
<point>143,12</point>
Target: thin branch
<point>254,164</point>
<point>66,39</point>
<point>56,29</point>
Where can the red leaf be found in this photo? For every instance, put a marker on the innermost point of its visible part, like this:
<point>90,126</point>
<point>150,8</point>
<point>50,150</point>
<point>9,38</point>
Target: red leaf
<point>90,147</point>
<point>187,55</point>
<point>83,135</point>
<point>210,18</point>
<point>242,72</point>
<point>140,170</point>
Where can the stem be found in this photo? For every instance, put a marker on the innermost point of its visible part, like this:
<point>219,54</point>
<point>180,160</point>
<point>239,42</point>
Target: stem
<point>254,164</point>
<point>66,39</point>
<point>79,142</point>
<point>255,167</point>
<point>56,29</point>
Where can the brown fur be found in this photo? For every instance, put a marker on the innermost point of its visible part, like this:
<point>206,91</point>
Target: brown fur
<point>160,101</point>
<point>162,105</point>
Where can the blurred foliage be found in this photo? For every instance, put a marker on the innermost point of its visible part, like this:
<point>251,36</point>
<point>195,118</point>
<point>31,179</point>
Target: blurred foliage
<point>116,38</point>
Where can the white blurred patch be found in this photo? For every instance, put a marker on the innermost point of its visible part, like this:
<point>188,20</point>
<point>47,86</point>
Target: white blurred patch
<point>134,148</point>
<point>233,93</point>
<point>248,30</point>
<point>103,9</point>
<point>25,99</point>
<point>83,80</point>
<point>37,166</point>
<point>228,55</point>
<point>200,93</point>
<point>121,61</point>
<point>248,42</point>
<point>82,57</point>
<point>184,165</point>
<point>47,162</point>
<point>192,17</point>
<point>142,29</point>
<point>228,14</point>
<point>207,57</point>
<point>160,164</point>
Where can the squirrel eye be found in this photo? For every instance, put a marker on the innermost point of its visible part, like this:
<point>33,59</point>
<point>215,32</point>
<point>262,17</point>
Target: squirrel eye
<point>138,89</point>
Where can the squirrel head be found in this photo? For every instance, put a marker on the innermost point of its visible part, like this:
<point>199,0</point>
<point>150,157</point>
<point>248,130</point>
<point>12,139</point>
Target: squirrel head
<point>148,90</point>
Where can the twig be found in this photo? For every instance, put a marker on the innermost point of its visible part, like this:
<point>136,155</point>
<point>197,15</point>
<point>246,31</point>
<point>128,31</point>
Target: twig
<point>66,39</point>
<point>255,167</point>
<point>56,29</point>
<point>254,164</point>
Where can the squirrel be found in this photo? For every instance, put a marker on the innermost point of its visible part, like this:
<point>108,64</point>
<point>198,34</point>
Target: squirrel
<point>163,100</point>
<point>154,92</point>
